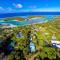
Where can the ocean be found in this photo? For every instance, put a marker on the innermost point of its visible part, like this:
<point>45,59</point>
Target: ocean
<point>4,15</point>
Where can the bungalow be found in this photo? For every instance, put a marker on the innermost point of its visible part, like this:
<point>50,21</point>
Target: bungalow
<point>55,43</point>
<point>19,35</point>
<point>32,47</point>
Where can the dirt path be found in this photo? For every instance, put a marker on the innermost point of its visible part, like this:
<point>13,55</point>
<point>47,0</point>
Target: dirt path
<point>34,55</point>
<point>32,58</point>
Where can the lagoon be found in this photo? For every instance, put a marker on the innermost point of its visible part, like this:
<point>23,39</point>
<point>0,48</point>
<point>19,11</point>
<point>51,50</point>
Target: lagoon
<point>27,22</point>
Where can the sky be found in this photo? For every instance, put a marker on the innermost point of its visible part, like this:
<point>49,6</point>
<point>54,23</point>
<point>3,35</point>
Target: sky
<point>14,6</point>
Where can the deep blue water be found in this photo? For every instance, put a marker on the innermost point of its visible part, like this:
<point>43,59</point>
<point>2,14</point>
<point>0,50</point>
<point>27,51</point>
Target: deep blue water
<point>28,14</point>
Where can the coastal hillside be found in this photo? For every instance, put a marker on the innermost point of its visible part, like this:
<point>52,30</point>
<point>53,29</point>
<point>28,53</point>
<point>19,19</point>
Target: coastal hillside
<point>38,36</point>
<point>30,17</point>
<point>14,18</point>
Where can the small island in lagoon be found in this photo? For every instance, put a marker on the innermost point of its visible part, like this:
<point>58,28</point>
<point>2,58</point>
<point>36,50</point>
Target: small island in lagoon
<point>38,37</point>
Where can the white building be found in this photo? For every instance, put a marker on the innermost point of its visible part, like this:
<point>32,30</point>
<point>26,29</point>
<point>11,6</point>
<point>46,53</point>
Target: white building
<point>55,43</point>
<point>32,47</point>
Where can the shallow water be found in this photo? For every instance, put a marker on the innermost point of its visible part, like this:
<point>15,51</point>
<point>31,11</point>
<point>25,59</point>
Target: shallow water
<point>27,22</point>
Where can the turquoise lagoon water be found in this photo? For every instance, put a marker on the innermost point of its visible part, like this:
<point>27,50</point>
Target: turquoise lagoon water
<point>27,22</point>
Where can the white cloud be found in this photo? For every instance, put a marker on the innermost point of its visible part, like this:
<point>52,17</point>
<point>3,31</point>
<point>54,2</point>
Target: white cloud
<point>17,5</point>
